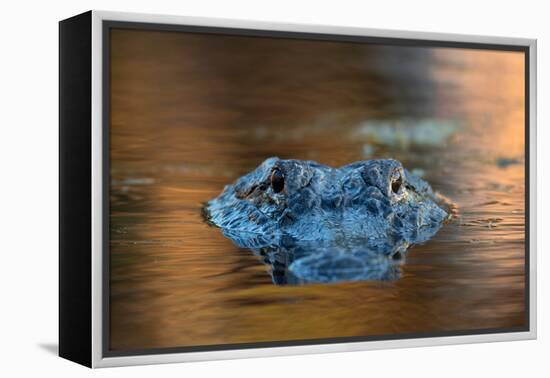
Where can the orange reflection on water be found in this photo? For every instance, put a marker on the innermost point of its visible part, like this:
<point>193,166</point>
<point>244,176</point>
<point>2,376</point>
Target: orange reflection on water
<point>191,113</point>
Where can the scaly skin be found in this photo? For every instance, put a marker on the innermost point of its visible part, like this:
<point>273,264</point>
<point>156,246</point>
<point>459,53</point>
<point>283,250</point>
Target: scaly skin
<point>328,224</point>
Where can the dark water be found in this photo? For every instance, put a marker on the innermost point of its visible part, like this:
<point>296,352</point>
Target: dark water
<point>191,114</point>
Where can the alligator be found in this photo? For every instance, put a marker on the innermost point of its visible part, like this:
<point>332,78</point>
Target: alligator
<point>315,223</point>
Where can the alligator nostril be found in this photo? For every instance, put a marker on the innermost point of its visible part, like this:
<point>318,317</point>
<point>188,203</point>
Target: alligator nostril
<point>396,185</point>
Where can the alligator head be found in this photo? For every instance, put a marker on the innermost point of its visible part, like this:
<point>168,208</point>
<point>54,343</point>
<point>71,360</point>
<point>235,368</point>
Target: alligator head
<point>314,215</point>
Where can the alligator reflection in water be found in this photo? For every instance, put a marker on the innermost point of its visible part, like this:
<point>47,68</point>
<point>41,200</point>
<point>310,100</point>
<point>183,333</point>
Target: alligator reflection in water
<point>295,262</point>
<point>314,223</point>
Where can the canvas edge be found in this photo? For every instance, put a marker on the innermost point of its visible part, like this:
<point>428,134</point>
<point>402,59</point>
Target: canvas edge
<point>97,187</point>
<point>74,152</point>
<point>97,190</point>
<point>534,189</point>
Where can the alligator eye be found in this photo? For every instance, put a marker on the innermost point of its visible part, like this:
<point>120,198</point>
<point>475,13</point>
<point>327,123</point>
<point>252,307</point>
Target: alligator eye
<point>396,185</point>
<point>277,181</point>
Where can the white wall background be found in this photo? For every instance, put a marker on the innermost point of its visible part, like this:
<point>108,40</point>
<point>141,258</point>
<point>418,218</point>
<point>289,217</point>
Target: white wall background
<point>28,207</point>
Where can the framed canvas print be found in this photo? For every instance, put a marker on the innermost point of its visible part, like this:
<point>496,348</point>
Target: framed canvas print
<point>236,189</point>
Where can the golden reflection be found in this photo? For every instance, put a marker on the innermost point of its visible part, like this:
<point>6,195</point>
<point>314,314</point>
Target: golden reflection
<point>191,113</point>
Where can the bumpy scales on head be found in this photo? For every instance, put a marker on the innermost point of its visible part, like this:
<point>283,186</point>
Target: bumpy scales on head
<point>375,204</point>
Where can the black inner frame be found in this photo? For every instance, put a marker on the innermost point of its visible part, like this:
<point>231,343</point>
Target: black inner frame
<point>107,26</point>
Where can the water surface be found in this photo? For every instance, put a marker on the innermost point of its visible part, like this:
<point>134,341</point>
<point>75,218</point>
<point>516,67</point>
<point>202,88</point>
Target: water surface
<point>190,114</point>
